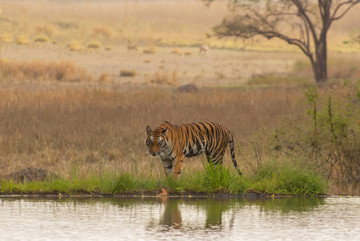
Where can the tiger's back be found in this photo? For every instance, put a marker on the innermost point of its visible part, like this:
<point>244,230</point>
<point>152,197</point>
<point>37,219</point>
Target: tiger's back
<point>175,142</point>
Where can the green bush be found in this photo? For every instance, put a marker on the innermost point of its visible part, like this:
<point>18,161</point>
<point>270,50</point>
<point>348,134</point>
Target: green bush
<point>289,179</point>
<point>330,141</point>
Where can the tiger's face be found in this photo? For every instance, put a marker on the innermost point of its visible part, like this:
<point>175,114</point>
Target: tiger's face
<point>155,140</point>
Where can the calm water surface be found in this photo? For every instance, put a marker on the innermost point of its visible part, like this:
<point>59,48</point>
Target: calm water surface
<point>180,219</point>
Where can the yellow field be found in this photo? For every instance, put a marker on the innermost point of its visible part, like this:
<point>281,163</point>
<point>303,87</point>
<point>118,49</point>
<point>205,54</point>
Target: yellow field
<point>95,35</point>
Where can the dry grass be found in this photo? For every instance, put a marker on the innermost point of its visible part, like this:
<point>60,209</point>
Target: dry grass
<point>63,129</point>
<point>156,28</point>
<point>18,72</point>
<point>163,78</point>
<point>90,130</point>
<point>174,23</point>
<point>340,68</point>
<point>76,127</point>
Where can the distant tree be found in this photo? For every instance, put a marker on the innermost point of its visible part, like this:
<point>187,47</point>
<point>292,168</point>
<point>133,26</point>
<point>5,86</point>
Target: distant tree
<point>303,23</point>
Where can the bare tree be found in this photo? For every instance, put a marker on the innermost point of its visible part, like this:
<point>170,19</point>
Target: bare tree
<point>303,23</point>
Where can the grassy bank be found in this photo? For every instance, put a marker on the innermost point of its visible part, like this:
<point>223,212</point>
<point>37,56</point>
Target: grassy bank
<point>272,178</point>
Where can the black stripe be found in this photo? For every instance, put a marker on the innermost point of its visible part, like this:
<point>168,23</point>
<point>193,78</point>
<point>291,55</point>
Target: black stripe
<point>197,126</point>
<point>212,128</point>
<point>206,129</point>
<point>216,153</point>
<point>168,167</point>
<point>191,151</point>
<point>198,146</point>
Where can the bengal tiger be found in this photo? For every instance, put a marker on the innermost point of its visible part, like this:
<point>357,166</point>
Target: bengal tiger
<point>172,143</point>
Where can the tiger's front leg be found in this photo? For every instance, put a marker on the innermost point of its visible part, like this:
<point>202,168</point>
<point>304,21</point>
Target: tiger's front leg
<point>168,166</point>
<point>173,166</point>
<point>178,163</point>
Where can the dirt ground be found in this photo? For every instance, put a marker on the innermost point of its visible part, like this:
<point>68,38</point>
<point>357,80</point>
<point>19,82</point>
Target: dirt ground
<point>161,27</point>
<point>216,67</point>
<point>171,30</point>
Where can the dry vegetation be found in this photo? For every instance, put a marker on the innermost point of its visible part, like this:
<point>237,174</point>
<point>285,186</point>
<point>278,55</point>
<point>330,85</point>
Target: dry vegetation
<point>96,35</point>
<point>22,72</point>
<point>68,104</point>
<point>165,23</point>
<point>60,129</point>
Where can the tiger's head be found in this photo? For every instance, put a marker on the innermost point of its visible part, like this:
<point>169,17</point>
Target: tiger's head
<point>156,140</point>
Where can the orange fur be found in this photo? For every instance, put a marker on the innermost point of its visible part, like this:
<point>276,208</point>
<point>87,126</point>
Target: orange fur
<point>175,142</point>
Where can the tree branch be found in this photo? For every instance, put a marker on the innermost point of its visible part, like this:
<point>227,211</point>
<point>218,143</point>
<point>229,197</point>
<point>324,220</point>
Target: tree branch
<point>293,41</point>
<point>306,18</point>
<point>350,4</point>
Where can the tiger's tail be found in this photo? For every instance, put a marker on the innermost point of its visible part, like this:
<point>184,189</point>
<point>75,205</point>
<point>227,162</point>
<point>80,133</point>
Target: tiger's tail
<point>231,144</point>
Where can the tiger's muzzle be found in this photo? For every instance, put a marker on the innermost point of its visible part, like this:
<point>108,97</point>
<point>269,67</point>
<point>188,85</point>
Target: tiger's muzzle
<point>153,153</point>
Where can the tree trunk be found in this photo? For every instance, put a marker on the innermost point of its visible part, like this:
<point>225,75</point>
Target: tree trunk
<point>319,65</point>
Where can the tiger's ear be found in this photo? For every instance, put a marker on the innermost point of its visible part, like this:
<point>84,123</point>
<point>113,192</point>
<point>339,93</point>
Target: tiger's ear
<point>148,130</point>
<point>165,131</point>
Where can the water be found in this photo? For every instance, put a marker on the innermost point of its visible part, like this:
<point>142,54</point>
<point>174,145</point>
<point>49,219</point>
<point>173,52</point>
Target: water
<point>180,219</point>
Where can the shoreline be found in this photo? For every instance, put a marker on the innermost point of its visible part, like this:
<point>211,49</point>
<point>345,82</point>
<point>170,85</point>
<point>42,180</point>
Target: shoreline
<point>248,196</point>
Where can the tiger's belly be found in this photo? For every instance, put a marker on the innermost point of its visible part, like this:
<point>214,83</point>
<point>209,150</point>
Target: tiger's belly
<point>194,150</point>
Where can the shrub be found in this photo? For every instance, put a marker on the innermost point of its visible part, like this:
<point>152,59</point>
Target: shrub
<point>94,45</point>
<point>288,178</point>
<point>330,142</point>
<point>163,77</point>
<point>6,38</point>
<point>127,73</point>
<point>149,51</point>
<point>41,39</point>
<point>75,46</point>
<point>22,40</point>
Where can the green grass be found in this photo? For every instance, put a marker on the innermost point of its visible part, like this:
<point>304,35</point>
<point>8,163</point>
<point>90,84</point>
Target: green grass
<point>271,178</point>
<point>288,179</point>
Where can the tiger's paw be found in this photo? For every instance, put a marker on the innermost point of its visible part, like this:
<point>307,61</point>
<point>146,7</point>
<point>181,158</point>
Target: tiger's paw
<point>163,193</point>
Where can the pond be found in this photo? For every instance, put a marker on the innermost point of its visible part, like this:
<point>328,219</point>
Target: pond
<point>335,218</point>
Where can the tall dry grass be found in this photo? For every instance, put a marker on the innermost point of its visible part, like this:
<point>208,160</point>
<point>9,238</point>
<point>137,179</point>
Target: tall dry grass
<point>89,130</point>
<point>93,129</point>
<point>11,72</point>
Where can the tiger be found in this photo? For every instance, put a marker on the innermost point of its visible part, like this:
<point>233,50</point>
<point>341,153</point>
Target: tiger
<point>172,143</point>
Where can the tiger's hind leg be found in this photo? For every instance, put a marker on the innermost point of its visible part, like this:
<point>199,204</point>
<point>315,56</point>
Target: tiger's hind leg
<point>216,159</point>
